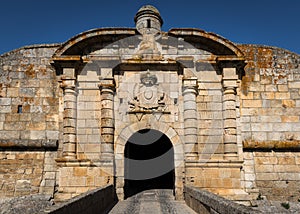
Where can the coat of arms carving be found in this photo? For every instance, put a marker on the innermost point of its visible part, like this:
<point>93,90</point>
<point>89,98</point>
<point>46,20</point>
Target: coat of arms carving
<point>148,96</point>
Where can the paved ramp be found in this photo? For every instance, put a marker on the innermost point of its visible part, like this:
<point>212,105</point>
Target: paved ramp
<point>152,201</point>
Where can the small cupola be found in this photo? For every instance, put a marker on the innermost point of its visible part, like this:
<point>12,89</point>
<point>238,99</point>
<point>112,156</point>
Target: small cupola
<point>148,20</point>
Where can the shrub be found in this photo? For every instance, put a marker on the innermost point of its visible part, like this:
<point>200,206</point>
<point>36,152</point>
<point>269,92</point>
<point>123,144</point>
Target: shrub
<point>286,205</point>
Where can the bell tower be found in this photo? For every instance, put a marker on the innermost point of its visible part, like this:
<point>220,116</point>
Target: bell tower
<point>148,20</point>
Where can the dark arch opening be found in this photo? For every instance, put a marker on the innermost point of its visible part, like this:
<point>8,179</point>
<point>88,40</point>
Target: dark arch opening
<point>149,162</point>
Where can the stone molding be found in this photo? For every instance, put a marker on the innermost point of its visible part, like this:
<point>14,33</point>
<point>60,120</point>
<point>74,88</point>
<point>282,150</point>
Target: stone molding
<point>271,145</point>
<point>29,144</point>
<point>214,163</point>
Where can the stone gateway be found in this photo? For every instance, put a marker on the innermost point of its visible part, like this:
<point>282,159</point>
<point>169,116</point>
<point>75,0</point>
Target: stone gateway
<point>140,108</point>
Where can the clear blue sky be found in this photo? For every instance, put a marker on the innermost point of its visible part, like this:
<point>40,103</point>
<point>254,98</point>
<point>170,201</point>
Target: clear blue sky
<point>268,22</point>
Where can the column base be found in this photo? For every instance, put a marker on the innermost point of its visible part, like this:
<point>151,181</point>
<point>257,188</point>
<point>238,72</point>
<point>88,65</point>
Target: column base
<point>70,156</point>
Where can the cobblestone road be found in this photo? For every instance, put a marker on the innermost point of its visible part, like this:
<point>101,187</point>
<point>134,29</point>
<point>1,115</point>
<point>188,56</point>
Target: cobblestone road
<point>152,201</point>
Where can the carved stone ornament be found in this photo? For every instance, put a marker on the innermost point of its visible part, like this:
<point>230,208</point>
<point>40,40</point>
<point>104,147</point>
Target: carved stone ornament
<point>147,96</point>
<point>148,80</point>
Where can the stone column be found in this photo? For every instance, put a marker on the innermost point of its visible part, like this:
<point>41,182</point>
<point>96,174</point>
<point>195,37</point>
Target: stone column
<point>190,91</point>
<point>70,113</point>
<point>229,113</point>
<point>107,91</point>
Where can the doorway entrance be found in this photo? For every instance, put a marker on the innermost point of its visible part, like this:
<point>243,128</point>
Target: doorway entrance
<point>148,162</point>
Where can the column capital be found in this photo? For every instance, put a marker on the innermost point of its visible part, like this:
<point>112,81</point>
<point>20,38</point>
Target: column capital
<point>229,74</point>
<point>107,84</point>
<point>190,81</point>
<point>69,73</point>
<point>190,85</point>
<point>64,78</point>
<point>66,87</point>
<point>68,82</point>
<point>229,78</point>
<point>229,90</point>
<point>230,84</point>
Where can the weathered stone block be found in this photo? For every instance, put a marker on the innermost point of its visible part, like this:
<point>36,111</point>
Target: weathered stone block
<point>294,84</point>
<point>289,176</point>
<point>264,168</point>
<point>261,127</point>
<point>27,92</point>
<point>80,171</point>
<point>252,103</point>
<point>282,95</point>
<point>275,136</point>
<point>266,160</point>
<point>250,177</point>
<point>92,148</point>
<point>290,119</point>
<point>52,135</point>
<point>287,168</point>
<point>37,135</point>
<point>282,88</point>
<point>283,127</point>
<point>286,160</point>
<point>5,101</point>
<point>268,95</point>
<point>271,88</point>
<point>267,176</point>
<point>7,135</point>
<point>5,109</point>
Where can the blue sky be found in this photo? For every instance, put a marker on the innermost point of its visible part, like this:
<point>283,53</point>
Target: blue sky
<point>268,22</point>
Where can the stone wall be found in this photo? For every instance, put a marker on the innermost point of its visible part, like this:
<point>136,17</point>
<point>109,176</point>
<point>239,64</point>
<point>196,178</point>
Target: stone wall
<point>270,125</point>
<point>28,96</point>
<point>275,174</point>
<point>210,115</point>
<point>75,178</point>
<point>202,107</point>
<point>88,117</point>
<point>95,201</point>
<point>25,173</point>
<point>205,202</point>
<point>270,95</point>
<point>218,177</point>
<point>29,122</point>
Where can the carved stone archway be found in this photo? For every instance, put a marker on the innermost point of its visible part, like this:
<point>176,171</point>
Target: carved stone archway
<point>178,147</point>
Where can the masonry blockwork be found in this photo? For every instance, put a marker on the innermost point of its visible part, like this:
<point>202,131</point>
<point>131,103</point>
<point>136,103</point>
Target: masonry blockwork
<point>230,112</point>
